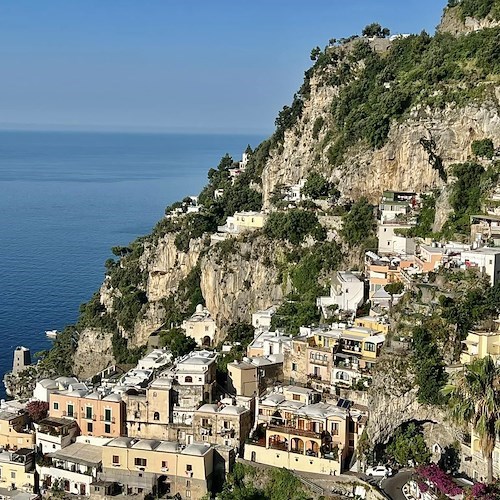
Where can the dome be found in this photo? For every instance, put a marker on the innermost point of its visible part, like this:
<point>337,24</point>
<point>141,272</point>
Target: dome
<point>199,308</point>
<point>112,397</point>
<point>146,444</point>
<point>48,383</point>
<point>208,408</point>
<point>233,410</point>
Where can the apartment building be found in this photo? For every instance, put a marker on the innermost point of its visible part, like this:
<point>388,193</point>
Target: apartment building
<point>253,375</point>
<point>17,471</point>
<point>297,432</point>
<point>15,432</point>
<point>53,434</point>
<point>480,344</point>
<point>95,414</point>
<point>145,466</point>
<point>346,294</point>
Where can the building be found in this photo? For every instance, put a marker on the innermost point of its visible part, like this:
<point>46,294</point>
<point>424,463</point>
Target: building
<point>53,434</point>
<point>95,414</point>
<point>429,258</point>
<point>17,471</point>
<point>268,344</point>
<point>22,359</point>
<point>346,293</point>
<point>294,193</point>
<point>382,271</point>
<point>145,466</point>
<point>223,424</point>
<point>155,360</point>
<point>396,205</point>
<point>486,259</point>
<point>15,432</point>
<point>261,320</point>
<point>45,387</point>
<point>201,326</point>
<point>485,229</point>
<point>253,375</point>
<point>297,432</point>
<point>391,239</point>
<point>72,469</point>
<point>242,222</point>
<point>377,323</point>
<point>480,344</point>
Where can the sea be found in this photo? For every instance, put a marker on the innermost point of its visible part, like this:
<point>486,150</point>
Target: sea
<point>66,198</point>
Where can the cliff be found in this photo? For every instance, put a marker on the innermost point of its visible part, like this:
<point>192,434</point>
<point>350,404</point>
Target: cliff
<point>360,120</point>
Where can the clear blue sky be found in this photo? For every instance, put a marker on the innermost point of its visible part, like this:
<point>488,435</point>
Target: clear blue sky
<point>188,65</point>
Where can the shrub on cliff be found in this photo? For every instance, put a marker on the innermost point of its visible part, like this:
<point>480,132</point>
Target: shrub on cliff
<point>177,341</point>
<point>359,223</point>
<point>293,226</point>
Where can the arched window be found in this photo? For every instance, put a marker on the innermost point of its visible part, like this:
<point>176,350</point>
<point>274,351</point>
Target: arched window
<point>188,379</point>
<point>156,416</point>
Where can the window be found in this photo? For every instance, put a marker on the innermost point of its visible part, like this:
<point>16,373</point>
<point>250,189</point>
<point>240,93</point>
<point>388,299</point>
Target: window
<point>156,415</point>
<point>296,397</point>
<point>164,464</point>
<point>226,424</point>
<point>140,462</point>
<point>116,459</point>
<point>369,347</point>
<point>294,367</point>
<point>188,493</point>
<point>107,415</point>
<point>70,410</point>
<point>188,483</point>
<point>204,422</point>
<point>13,475</point>
<point>188,379</point>
<point>206,328</point>
<point>334,429</point>
<point>90,426</point>
<point>56,405</point>
<point>107,429</point>
<point>88,412</point>
<point>189,468</point>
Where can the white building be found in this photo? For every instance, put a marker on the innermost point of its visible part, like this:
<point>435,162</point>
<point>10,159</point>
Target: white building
<point>201,326</point>
<point>269,343</point>
<point>294,192</point>
<point>261,320</point>
<point>158,358</point>
<point>486,259</point>
<point>390,242</point>
<point>347,292</point>
<point>53,434</point>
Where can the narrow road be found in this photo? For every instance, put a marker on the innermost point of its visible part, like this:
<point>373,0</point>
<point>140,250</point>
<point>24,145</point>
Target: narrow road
<point>392,485</point>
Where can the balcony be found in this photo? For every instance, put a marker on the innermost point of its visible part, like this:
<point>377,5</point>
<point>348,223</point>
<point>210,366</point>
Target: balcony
<point>276,445</point>
<point>110,420</point>
<point>88,417</point>
<point>320,362</point>
<point>285,429</point>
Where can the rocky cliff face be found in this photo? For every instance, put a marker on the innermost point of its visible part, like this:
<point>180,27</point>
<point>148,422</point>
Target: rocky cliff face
<point>451,22</point>
<point>402,164</point>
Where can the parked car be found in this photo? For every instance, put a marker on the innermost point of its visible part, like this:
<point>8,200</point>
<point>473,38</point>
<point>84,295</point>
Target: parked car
<point>379,471</point>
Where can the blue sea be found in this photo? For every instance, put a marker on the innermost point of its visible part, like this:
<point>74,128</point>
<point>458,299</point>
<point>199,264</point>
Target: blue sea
<point>67,198</point>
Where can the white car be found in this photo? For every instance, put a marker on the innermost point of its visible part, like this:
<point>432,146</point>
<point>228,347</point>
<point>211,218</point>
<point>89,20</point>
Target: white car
<point>379,471</point>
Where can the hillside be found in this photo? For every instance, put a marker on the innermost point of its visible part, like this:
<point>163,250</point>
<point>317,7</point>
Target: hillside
<point>373,114</point>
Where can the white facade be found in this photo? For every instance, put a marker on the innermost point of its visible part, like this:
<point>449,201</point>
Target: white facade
<point>269,343</point>
<point>156,359</point>
<point>262,319</point>
<point>347,292</point>
<point>391,243</point>
<point>487,260</point>
<point>201,326</point>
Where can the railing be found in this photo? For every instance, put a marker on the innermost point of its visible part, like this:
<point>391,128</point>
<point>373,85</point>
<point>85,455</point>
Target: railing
<point>89,417</point>
<point>278,446</point>
<point>292,430</point>
<point>322,362</point>
<point>110,420</point>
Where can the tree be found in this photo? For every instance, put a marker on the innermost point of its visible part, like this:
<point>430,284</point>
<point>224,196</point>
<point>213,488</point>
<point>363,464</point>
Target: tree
<point>408,445</point>
<point>316,186</point>
<point>375,30</point>
<point>394,288</point>
<point>359,223</point>
<point>483,148</point>
<point>177,342</point>
<point>315,53</point>
<point>475,400</point>
<point>37,410</point>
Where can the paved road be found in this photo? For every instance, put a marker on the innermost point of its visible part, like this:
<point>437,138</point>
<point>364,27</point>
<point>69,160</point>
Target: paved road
<point>392,485</point>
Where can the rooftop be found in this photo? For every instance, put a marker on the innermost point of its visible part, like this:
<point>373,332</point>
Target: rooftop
<point>80,453</point>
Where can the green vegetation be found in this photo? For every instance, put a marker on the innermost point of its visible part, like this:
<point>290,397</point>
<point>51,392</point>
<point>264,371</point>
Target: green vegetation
<point>58,361</point>
<point>241,333</point>
<point>306,269</point>
<point>318,125</point>
<point>375,29</point>
<point>478,9</point>
<point>394,288</point>
<point>429,367</point>
<point>475,399</point>
<point>317,187</point>
<point>359,223</point>
<point>407,446</point>
<point>177,342</point>
<point>280,484</point>
<point>425,217</point>
<point>124,354</point>
<point>293,226</point>
<point>483,149</point>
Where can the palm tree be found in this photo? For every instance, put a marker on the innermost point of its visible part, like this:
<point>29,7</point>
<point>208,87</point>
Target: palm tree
<point>475,400</point>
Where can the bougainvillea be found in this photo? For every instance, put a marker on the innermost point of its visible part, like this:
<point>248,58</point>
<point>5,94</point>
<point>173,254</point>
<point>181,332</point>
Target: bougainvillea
<point>481,491</point>
<point>439,480</point>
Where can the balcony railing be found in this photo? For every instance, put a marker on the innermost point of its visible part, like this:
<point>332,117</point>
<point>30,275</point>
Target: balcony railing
<point>110,420</point>
<point>285,429</point>
<point>276,445</point>
<point>89,417</point>
<point>321,362</point>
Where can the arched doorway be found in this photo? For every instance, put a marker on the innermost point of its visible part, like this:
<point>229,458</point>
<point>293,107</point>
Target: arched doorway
<point>297,446</point>
<point>312,448</point>
<point>207,341</point>
<point>278,442</point>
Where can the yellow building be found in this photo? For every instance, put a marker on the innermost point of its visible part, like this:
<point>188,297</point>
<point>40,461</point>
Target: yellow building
<point>160,467</point>
<point>372,322</point>
<point>252,376</point>
<point>317,437</point>
<point>201,326</point>
<point>17,471</point>
<point>480,344</point>
<point>14,431</point>
<point>250,220</point>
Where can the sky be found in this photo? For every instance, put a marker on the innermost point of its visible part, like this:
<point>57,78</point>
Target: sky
<point>172,65</point>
